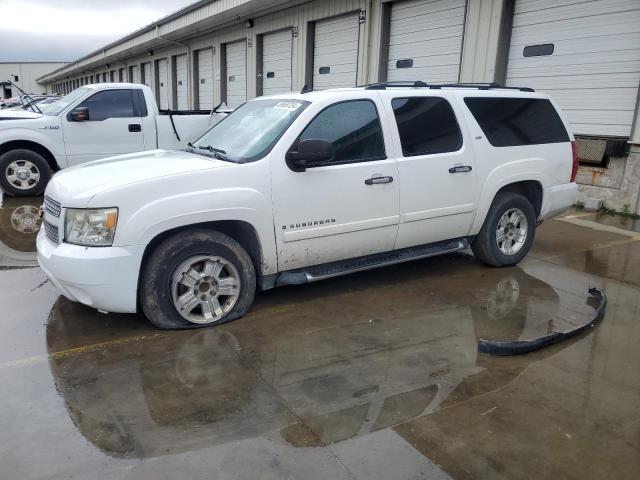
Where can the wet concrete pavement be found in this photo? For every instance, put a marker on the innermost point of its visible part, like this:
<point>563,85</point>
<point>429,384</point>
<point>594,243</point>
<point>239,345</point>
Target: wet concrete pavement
<point>370,376</point>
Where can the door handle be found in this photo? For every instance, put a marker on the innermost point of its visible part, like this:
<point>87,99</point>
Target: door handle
<point>378,180</point>
<point>460,169</point>
<point>135,127</point>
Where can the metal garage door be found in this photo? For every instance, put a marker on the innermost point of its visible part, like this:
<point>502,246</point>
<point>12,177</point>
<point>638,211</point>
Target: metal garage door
<point>585,54</point>
<point>163,83</point>
<point>335,52</point>
<point>134,74</point>
<point>182,101</point>
<point>276,62</point>
<point>425,40</point>
<point>236,73</point>
<point>205,79</point>
<point>146,74</point>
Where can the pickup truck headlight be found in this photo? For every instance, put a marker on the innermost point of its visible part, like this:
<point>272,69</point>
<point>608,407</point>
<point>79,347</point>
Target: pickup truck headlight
<point>90,227</point>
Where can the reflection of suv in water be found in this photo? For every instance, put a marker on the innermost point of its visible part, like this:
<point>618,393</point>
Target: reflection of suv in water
<point>296,188</point>
<point>201,389</point>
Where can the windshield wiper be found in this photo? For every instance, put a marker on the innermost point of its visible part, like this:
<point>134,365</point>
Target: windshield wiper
<point>217,152</point>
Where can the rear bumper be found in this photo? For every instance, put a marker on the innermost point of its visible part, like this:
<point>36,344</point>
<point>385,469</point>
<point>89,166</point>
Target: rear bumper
<point>557,199</point>
<point>105,278</point>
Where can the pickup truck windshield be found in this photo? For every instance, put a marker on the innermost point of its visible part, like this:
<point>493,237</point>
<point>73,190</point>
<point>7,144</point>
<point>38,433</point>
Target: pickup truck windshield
<point>57,107</point>
<point>250,132</point>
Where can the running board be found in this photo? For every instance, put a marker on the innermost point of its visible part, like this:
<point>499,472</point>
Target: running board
<point>359,264</point>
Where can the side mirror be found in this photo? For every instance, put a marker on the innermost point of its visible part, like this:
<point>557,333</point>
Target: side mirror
<point>79,114</point>
<point>311,153</point>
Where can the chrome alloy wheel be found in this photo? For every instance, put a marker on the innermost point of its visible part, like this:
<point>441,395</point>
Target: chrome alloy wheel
<point>22,174</point>
<point>511,232</point>
<point>205,288</point>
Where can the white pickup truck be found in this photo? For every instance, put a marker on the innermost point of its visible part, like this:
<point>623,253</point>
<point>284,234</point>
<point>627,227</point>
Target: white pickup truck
<point>295,188</point>
<point>92,122</point>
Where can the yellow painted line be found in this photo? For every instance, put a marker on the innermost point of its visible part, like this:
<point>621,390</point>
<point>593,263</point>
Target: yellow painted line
<point>78,350</point>
<point>24,362</point>
<point>576,215</point>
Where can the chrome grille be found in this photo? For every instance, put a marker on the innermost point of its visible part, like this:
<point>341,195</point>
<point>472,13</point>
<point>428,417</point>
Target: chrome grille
<point>52,232</point>
<point>52,207</point>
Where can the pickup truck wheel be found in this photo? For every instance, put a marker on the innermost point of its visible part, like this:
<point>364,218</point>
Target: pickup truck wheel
<point>23,173</point>
<point>508,231</point>
<point>195,279</point>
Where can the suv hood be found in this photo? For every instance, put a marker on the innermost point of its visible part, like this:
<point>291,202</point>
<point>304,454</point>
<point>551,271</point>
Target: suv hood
<point>75,186</point>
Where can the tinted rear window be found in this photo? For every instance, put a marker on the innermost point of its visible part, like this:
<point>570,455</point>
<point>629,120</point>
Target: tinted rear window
<point>427,125</point>
<point>509,122</point>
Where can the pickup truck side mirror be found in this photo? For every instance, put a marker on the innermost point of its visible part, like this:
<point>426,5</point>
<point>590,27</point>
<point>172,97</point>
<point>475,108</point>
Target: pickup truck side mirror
<point>311,153</point>
<point>79,114</point>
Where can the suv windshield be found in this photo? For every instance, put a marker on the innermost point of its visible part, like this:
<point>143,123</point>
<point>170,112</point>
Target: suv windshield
<point>250,132</point>
<point>57,107</point>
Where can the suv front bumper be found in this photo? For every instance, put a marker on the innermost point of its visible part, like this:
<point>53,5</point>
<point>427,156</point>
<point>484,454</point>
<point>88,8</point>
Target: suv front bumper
<point>105,278</point>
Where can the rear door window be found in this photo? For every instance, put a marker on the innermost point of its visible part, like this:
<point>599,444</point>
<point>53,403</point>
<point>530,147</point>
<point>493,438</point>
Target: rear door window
<point>509,122</point>
<point>427,125</point>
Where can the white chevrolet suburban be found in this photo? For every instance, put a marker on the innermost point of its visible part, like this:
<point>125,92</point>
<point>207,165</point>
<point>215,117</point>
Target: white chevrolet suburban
<point>92,122</point>
<point>295,188</point>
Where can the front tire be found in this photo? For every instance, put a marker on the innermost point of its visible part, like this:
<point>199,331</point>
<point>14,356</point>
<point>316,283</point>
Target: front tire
<point>508,231</point>
<point>195,279</point>
<point>24,173</point>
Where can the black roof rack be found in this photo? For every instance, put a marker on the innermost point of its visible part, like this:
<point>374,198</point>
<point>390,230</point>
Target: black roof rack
<point>437,86</point>
<point>400,84</point>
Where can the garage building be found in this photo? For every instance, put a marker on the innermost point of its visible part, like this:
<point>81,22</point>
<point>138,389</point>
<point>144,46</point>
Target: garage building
<point>585,53</point>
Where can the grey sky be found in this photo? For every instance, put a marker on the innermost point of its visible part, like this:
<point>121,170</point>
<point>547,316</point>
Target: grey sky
<point>63,30</point>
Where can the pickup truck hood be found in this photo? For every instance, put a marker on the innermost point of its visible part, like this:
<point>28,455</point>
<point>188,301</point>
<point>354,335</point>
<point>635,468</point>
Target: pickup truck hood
<point>75,186</point>
<point>18,115</point>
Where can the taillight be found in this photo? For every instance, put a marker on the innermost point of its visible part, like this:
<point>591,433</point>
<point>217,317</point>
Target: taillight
<point>576,160</point>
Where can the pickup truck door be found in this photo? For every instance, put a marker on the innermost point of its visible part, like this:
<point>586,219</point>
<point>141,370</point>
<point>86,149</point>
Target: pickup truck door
<point>344,208</point>
<point>114,126</point>
<point>436,167</point>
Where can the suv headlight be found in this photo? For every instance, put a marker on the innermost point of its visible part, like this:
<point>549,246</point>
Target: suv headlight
<point>90,227</point>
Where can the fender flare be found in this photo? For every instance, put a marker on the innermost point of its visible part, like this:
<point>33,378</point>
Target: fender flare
<point>500,177</point>
<point>37,138</point>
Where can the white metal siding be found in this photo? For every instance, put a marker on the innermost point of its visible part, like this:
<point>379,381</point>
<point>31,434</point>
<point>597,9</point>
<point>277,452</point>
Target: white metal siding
<point>163,83</point>
<point>146,73</point>
<point>205,79</point>
<point>276,62</point>
<point>135,74</point>
<point>594,70</point>
<point>182,100</point>
<point>428,35</point>
<point>236,63</point>
<point>335,52</point>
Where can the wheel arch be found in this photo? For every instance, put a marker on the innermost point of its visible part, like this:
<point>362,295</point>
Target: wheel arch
<point>530,186</point>
<point>33,146</point>
<point>242,232</point>
<point>530,189</point>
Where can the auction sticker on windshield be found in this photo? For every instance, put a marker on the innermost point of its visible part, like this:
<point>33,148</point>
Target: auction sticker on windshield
<point>290,106</point>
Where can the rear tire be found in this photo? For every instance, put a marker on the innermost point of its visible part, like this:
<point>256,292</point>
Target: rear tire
<point>197,278</point>
<point>508,231</point>
<point>24,173</point>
